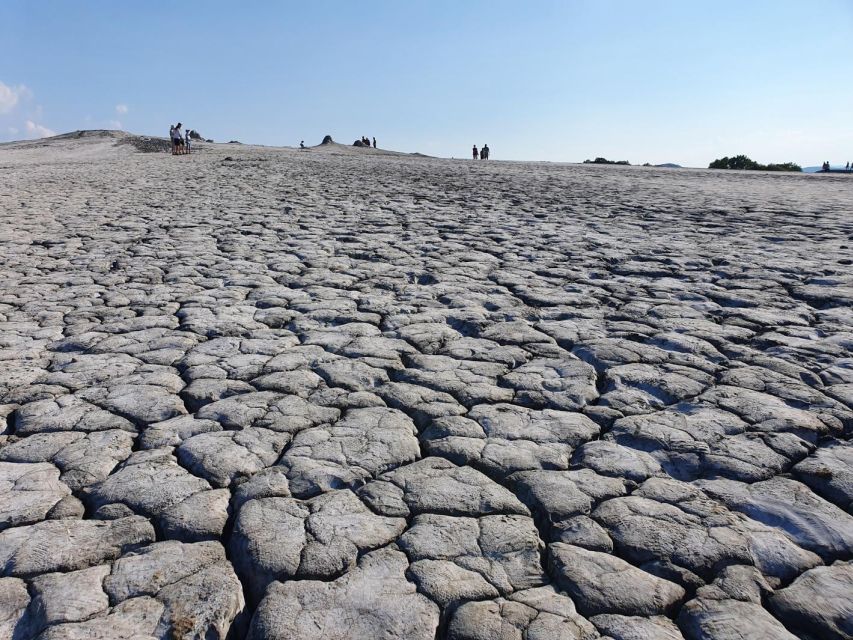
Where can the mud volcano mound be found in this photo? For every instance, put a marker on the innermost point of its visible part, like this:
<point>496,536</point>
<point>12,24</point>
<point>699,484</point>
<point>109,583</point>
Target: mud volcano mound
<point>146,144</point>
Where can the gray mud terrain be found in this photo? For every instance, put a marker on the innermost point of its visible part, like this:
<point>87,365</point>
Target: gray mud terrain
<point>340,394</point>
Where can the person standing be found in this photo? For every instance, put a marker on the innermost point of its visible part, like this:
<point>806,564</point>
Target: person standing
<point>172,138</point>
<point>178,139</point>
<point>187,141</point>
<point>475,153</point>
<point>484,154</point>
<point>374,142</point>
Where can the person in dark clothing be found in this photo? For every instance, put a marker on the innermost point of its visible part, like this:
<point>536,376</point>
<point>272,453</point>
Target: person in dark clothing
<point>484,153</point>
<point>374,142</point>
<point>475,153</point>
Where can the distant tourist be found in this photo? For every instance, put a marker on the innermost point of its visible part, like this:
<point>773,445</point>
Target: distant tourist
<point>374,142</point>
<point>187,141</point>
<point>177,139</point>
<point>172,137</point>
<point>302,144</point>
<point>484,154</point>
<point>179,136</point>
<point>847,167</point>
<point>475,153</point>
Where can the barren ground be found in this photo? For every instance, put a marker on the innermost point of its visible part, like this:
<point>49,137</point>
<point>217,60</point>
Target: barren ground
<point>338,394</point>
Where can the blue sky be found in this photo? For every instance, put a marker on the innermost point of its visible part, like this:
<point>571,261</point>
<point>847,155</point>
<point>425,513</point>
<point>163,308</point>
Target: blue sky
<point>681,81</point>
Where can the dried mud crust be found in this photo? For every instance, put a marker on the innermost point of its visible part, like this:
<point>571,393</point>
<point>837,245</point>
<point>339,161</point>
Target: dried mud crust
<point>338,395</point>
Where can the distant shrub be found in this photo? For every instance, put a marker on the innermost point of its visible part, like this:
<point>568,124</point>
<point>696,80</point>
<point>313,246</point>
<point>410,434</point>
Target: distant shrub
<point>744,163</point>
<point>785,166</point>
<point>600,160</point>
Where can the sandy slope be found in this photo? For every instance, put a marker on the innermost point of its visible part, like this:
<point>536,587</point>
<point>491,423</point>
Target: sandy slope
<point>339,393</point>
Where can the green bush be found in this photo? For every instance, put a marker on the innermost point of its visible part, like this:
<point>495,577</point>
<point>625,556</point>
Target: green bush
<point>601,160</point>
<point>743,163</point>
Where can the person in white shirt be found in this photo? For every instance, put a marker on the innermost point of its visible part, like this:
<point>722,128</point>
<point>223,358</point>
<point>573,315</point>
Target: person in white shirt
<point>178,139</point>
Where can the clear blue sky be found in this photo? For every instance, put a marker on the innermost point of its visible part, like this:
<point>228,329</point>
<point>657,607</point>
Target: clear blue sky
<point>655,81</point>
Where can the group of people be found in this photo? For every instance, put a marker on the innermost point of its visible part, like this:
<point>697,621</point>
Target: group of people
<point>826,168</point>
<point>483,154</point>
<point>180,140</point>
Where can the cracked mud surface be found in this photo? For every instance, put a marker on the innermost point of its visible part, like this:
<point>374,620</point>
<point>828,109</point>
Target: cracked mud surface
<point>261,393</point>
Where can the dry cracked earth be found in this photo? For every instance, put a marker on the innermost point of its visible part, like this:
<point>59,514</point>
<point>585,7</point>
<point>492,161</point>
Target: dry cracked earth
<point>340,394</point>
